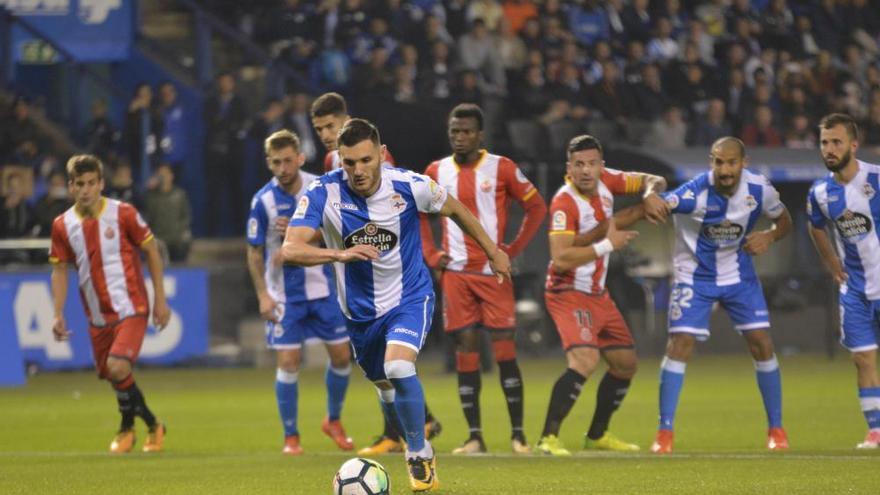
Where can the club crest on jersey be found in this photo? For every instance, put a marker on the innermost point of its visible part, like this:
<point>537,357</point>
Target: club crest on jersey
<point>751,202</point>
<point>372,235</point>
<point>302,206</point>
<point>607,202</point>
<point>852,226</point>
<point>869,190</point>
<point>672,200</point>
<point>486,185</point>
<point>398,203</point>
<point>109,233</point>
<point>559,220</point>
<point>725,232</point>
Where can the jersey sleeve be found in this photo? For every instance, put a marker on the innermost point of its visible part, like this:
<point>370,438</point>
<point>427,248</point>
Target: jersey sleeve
<point>389,158</point>
<point>772,205</point>
<point>134,224</point>
<point>563,215</point>
<point>310,209</point>
<point>683,199</point>
<point>518,186</point>
<point>814,212</point>
<point>622,182</point>
<point>428,195</point>
<point>60,250</point>
<point>328,162</point>
<point>257,224</point>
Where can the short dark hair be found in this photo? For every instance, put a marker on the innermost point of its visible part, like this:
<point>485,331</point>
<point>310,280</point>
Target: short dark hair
<point>329,104</point>
<point>835,119</point>
<point>279,140</point>
<point>733,140</point>
<point>468,111</point>
<point>356,130</point>
<point>78,165</point>
<point>584,142</point>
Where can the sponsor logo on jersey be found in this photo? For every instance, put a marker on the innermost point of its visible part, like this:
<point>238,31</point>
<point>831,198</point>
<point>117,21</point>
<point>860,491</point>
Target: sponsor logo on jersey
<point>302,206</point>
<point>852,226</point>
<point>253,228</point>
<point>559,220</point>
<point>723,233</point>
<point>372,235</point>
<point>398,203</point>
<point>344,206</point>
<point>406,331</point>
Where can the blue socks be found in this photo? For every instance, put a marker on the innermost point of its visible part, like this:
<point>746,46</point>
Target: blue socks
<point>671,380</point>
<point>410,406</point>
<point>869,399</point>
<point>336,380</point>
<point>287,395</point>
<point>770,384</point>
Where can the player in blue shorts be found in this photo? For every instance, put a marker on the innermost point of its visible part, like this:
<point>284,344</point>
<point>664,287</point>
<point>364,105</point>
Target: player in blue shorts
<point>715,213</point>
<point>297,303</point>
<point>368,216</point>
<point>848,199</point>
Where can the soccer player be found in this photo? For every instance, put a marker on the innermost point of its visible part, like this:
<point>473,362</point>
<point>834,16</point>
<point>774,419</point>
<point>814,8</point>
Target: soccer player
<point>485,184</point>
<point>296,302</point>
<point>715,213</point>
<point>588,321</point>
<point>329,114</point>
<point>368,216</point>
<point>103,238</point>
<point>847,197</point>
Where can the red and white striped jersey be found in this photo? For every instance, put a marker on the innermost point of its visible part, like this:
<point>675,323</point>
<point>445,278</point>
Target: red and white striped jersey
<point>106,253</point>
<point>573,213</point>
<point>485,188</point>
<point>332,160</point>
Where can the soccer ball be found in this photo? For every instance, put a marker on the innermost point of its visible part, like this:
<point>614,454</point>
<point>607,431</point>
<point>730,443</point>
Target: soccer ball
<point>361,476</point>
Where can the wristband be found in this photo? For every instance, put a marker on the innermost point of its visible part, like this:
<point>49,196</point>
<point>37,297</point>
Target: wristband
<point>603,247</point>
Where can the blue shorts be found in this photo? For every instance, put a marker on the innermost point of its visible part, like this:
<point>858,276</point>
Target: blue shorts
<point>298,321</point>
<point>406,325</point>
<point>690,307</point>
<point>859,319</point>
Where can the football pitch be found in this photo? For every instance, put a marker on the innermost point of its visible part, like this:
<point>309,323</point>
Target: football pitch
<point>224,436</point>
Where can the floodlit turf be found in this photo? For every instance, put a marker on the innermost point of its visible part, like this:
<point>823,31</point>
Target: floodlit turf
<point>224,436</point>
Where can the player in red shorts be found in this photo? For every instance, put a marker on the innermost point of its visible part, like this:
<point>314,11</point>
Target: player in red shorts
<point>329,114</point>
<point>472,297</point>
<point>103,238</point>
<point>588,321</point>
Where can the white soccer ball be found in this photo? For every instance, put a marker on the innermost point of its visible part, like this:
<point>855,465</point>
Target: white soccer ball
<point>361,476</point>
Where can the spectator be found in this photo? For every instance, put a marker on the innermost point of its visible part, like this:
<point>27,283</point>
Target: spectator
<point>292,19</point>
<point>373,79</point>
<point>433,32</point>
<point>298,119</point>
<point>635,62</point>
<point>477,52</point>
<point>800,135</point>
<point>404,85</point>
<point>16,219</point>
<point>101,135</point>
<point>777,22</point>
<point>531,34</point>
<point>711,14</point>
<point>19,127</point>
<point>54,202</point>
<point>696,34</point>
<point>741,10</point>
<point>765,61</point>
<point>714,125</point>
<point>457,22</point>
<point>554,8</point>
<point>511,49</point>
<point>533,98</point>
<point>121,185</point>
<point>662,48</point>
<point>467,89</point>
<point>601,55</point>
<point>436,79</point>
<point>870,127</point>
<point>377,35</point>
<point>174,142</point>
<point>637,20</point>
<point>517,11</point>
<point>608,95</point>
<point>671,9</point>
<point>554,38</point>
<point>694,92</point>
<point>649,99</point>
<point>864,22</point>
<point>225,116</point>
<point>166,207</point>
<point>760,131</point>
<point>668,133</point>
<point>829,25</point>
<point>352,19</point>
<point>142,132</point>
<point>271,119</point>
<point>587,23</point>
<point>803,44</point>
<point>486,10</point>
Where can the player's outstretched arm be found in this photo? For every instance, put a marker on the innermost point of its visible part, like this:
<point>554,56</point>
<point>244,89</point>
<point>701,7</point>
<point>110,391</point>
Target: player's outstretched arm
<point>623,219</point>
<point>161,311</point>
<point>59,296</point>
<point>298,249</point>
<point>759,242</point>
<point>256,264</point>
<point>656,209</point>
<point>827,253</point>
<point>567,255</point>
<point>498,259</point>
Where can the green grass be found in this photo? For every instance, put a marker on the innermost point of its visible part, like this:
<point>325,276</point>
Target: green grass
<point>224,435</point>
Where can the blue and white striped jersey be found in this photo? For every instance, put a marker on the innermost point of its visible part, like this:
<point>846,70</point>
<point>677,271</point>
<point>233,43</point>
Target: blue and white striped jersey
<point>389,220</point>
<point>854,210</point>
<point>288,283</point>
<point>710,228</point>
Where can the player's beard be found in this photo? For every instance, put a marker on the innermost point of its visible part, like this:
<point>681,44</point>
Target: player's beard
<point>844,160</point>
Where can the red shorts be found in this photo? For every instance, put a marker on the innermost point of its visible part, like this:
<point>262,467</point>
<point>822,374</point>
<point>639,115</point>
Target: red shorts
<point>587,320</point>
<point>122,340</point>
<point>472,298</point>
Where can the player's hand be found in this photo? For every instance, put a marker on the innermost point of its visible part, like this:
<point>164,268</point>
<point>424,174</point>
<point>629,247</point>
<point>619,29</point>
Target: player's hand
<point>361,252</point>
<point>281,224</point>
<point>161,314</point>
<point>267,308</point>
<point>758,243</point>
<point>656,209</point>
<point>500,264</point>
<point>59,329</point>
<point>619,238</point>
<point>838,273</point>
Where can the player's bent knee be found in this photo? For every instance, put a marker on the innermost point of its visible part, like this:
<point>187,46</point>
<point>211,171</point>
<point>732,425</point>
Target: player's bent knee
<point>467,340</point>
<point>117,369</point>
<point>288,360</point>
<point>583,360</point>
<point>399,369</point>
<point>865,360</point>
